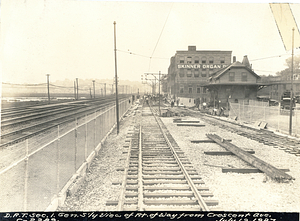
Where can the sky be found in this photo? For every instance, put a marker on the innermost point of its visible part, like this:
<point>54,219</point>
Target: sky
<point>71,39</point>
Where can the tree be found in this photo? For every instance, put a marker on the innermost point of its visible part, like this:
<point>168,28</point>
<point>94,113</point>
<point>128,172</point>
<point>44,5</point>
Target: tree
<point>286,73</point>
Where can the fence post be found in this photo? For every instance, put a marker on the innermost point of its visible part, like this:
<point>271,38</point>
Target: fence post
<point>239,111</point>
<point>264,112</point>
<point>26,177</point>
<point>295,112</point>
<point>86,140</point>
<point>278,117</point>
<point>58,159</point>
<point>76,137</point>
<point>95,129</point>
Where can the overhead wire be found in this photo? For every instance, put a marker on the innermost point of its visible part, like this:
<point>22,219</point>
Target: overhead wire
<point>145,56</point>
<point>159,37</point>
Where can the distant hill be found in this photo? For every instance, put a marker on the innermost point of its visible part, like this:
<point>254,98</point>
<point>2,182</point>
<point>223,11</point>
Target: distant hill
<point>66,88</point>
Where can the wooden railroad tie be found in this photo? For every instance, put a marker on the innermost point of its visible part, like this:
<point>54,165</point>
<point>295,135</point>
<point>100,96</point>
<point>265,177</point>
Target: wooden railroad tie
<point>270,170</point>
<point>225,153</point>
<point>191,124</point>
<point>206,141</point>
<point>246,170</point>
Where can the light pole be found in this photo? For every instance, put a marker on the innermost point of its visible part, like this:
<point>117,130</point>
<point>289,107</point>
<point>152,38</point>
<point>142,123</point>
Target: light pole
<point>48,88</point>
<point>116,79</point>
<point>154,75</point>
<point>291,101</point>
<point>94,88</point>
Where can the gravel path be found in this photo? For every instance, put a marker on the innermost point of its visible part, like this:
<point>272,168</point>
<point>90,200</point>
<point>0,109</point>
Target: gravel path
<point>235,192</point>
<point>240,192</point>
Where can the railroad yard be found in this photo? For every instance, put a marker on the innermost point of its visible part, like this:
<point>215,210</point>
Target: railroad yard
<point>122,177</point>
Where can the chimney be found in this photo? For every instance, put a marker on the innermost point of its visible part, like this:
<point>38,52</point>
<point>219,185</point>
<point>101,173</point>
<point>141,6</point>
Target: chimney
<point>192,48</point>
<point>234,59</point>
<point>246,62</point>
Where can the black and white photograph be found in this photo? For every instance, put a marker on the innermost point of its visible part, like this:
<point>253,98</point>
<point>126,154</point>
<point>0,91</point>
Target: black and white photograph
<point>153,110</point>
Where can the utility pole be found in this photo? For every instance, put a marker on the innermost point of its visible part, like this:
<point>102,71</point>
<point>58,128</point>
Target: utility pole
<point>75,91</point>
<point>104,89</point>
<point>76,88</point>
<point>48,88</point>
<point>159,92</point>
<point>94,88</point>
<point>116,78</point>
<point>154,86</point>
<point>291,101</point>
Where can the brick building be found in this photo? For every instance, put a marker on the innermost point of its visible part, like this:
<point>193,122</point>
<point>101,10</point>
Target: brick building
<point>189,72</point>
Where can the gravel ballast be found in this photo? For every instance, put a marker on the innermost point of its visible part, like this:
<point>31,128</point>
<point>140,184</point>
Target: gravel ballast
<point>235,192</point>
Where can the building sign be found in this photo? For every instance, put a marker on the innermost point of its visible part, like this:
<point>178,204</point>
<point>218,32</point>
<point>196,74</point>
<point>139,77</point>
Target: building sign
<point>204,66</point>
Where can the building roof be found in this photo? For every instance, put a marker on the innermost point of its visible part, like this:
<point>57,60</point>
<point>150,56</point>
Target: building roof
<point>236,64</point>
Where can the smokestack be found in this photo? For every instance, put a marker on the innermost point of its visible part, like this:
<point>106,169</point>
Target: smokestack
<point>192,48</point>
<point>234,59</point>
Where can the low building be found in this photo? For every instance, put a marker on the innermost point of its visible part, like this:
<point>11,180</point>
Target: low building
<point>234,83</point>
<point>277,85</point>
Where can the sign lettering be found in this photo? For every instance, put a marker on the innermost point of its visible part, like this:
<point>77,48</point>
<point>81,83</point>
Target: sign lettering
<point>204,66</point>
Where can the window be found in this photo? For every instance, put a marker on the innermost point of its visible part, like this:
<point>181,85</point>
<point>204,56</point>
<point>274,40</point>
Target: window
<point>196,73</point>
<point>189,73</point>
<point>198,89</point>
<point>284,86</point>
<point>204,90</point>
<point>196,60</point>
<point>244,76</point>
<point>203,60</point>
<point>189,60</point>
<point>203,74</point>
<point>181,89</point>
<point>181,60</point>
<point>222,60</point>
<point>231,76</point>
<point>190,90</point>
<point>211,60</point>
<point>181,73</point>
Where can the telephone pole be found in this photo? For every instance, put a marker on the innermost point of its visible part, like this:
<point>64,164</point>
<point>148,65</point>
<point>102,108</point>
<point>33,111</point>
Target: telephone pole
<point>94,89</point>
<point>154,86</point>
<point>116,78</point>
<point>76,88</point>
<point>48,88</point>
<point>291,101</point>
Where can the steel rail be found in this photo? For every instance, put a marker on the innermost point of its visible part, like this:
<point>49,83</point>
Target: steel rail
<point>50,142</point>
<point>87,111</point>
<point>35,116</point>
<point>121,202</point>
<point>261,135</point>
<point>194,189</point>
<point>30,109</point>
<point>140,174</point>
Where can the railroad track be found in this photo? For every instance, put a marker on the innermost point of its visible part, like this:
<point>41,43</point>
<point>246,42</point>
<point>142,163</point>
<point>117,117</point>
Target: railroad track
<point>269,138</point>
<point>24,124</point>
<point>158,176</point>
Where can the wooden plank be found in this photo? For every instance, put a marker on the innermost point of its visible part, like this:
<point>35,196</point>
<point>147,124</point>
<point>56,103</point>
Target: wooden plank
<point>206,141</point>
<point>246,170</point>
<point>270,170</point>
<point>225,153</point>
<point>191,125</point>
<point>187,121</point>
